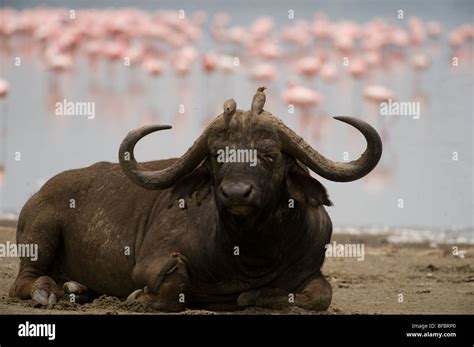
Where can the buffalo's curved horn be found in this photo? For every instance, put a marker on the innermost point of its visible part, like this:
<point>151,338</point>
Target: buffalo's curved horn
<point>294,145</point>
<point>162,178</point>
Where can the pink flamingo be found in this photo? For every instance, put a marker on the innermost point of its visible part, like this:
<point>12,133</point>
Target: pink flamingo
<point>377,93</point>
<point>417,30</point>
<point>329,72</point>
<point>421,61</point>
<point>372,58</point>
<point>209,62</point>
<point>298,34</point>
<point>4,88</point>
<point>321,27</point>
<point>308,66</point>
<point>152,66</point>
<point>301,96</point>
<point>56,61</point>
<point>266,49</point>
<point>434,29</point>
<point>262,28</point>
<point>264,72</point>
<point>183,60</point>
<point>358,68</point>
<point>114,51</point>
<point>305,99</point>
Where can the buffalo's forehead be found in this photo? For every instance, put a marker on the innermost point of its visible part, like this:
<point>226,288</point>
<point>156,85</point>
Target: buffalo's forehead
<point>246,130</point>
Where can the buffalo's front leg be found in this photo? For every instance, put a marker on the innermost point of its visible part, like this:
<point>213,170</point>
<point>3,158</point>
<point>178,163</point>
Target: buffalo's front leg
<point>165,283</point>
<point>316,295</point>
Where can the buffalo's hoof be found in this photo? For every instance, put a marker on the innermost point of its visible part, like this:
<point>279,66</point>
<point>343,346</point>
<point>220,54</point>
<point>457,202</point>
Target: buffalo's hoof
<point>75,292</point>
<point>42,297</point>
<point>144,300</point>
<point>248,298</point>
<point>170,307</point>
<point>134,296</point>
<point>141,295</point>
<point>45,291</point>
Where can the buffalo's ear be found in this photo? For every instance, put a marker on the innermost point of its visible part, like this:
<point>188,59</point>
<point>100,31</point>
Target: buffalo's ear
<point>306,189</point>
<point>196,185</point>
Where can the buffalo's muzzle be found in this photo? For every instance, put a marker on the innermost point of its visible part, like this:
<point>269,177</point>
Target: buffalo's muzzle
<point>238,197</point>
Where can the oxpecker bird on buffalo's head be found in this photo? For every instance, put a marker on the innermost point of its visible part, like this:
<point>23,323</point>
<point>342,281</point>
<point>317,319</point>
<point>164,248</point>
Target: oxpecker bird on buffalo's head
<point>229,109</point>
<point>258,101</point>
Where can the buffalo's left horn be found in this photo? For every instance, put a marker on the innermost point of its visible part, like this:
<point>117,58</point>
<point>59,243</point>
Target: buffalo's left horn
<point>162,178</point>
<point>294,145</point>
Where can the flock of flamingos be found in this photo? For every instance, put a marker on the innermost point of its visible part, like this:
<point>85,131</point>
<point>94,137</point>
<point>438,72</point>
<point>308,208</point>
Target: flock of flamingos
<point>155,41</point>
<point>302,54</point>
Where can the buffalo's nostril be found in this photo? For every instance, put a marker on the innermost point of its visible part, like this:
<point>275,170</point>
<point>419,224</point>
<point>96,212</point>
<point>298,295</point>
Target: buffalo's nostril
<point>237,191</point>
<point>247,193</point>
<point>223,193</point>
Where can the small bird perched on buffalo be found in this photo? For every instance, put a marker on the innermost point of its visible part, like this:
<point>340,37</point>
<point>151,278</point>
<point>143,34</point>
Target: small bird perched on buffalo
<point>258,101</point>
<point>229,109</point>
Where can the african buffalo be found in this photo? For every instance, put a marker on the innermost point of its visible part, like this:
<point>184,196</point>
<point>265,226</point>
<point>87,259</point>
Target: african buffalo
<point>196,231</point>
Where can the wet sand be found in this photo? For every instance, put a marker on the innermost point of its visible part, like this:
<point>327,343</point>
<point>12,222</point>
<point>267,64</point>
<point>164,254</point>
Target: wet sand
<point>431,280</point>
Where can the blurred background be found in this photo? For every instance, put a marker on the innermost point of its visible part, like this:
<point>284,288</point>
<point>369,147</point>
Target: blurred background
<point>176,62</point>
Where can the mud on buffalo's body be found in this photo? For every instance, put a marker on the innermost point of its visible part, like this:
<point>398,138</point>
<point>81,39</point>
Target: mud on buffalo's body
<point>244,236</point>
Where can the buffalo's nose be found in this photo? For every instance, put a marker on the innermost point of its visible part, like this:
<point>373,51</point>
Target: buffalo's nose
<point>236,191</point>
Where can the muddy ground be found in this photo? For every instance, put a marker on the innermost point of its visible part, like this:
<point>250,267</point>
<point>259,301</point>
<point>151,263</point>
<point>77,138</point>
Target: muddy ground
<point>430,278</point>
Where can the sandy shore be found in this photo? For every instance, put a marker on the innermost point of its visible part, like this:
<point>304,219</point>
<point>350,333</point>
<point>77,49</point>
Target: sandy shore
<point>431,280</point>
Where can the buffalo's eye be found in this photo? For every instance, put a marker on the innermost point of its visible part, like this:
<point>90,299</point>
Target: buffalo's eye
<point>269,157</point>
<point>215,158</point>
